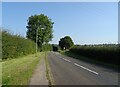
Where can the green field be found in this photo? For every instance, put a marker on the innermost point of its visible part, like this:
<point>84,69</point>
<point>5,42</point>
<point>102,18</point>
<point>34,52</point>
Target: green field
<point>19,71</point>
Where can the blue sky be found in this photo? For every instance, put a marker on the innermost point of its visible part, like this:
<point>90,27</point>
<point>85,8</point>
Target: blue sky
<point>86,23</point>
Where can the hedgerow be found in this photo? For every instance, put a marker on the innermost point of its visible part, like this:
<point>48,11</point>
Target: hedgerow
<point>108,54</point>
<point>14,46</point>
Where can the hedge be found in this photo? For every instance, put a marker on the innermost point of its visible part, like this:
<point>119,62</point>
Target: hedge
<point>14,46</point>
<point>108,54</point>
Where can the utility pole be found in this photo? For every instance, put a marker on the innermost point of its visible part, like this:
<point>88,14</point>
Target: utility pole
<point>36,39</point>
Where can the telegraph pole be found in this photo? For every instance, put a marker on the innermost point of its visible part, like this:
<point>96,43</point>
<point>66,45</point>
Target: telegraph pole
<point>36,39</point>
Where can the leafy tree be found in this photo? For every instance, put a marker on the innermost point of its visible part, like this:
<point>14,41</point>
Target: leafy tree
<point>55,47</point>
<point>40,26</point>
<point>66,43</point>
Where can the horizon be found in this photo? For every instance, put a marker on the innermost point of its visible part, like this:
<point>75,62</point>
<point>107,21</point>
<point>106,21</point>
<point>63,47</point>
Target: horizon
<point>85,23</point>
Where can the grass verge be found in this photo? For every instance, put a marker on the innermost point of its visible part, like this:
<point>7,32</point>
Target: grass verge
<point>86,59</point>
<point>19,71</point>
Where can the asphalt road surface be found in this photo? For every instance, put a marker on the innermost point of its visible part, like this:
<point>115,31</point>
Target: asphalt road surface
<point>69,71</point>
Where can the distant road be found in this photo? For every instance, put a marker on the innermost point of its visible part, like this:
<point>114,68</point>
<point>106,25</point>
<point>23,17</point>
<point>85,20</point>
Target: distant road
<point>69,71</point>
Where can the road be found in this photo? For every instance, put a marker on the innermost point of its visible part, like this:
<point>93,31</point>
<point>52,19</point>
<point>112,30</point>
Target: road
<point>69,71</point>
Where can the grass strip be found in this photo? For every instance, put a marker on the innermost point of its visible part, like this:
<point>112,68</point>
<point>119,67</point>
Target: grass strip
<point>19,71</point>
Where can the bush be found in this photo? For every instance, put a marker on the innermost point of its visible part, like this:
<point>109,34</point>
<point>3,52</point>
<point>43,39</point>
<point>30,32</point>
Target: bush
<point>107,54</point>
<point>46,47</point>
<point>14,46</point>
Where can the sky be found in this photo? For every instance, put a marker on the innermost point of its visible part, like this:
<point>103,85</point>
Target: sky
<point>60,0</point>
<point>84,22</point>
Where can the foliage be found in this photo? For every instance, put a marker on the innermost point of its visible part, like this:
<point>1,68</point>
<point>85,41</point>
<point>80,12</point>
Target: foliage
<point>47,47</point>
<point>40,26</point>
<point>14,46</point>
<point>103,53</point>
<point>0,45</point>
<point>55,47</point>
<point>66,42</point>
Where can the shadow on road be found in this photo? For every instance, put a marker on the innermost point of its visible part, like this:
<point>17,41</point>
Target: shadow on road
<point>95,62</point>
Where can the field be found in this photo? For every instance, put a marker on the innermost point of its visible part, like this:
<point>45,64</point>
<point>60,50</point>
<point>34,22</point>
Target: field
<point>19,71</point>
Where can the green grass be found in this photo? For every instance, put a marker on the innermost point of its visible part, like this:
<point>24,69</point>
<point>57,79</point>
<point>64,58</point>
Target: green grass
<point>89,60</point>
<point>19,71</point>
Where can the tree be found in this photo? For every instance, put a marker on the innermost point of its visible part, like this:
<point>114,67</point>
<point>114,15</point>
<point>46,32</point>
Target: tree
<point>66,43</point>
<point>55,47</point>
<point>40,26</point>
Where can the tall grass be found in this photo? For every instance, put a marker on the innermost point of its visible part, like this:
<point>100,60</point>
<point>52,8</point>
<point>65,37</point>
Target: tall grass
<point>108,54</point>
<point>14,46</point>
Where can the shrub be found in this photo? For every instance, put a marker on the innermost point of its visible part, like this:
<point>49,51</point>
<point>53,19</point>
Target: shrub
<point>14,46</point>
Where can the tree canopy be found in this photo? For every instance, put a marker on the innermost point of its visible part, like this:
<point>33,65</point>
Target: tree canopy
<point>66,42</point>
<point>40,26</point>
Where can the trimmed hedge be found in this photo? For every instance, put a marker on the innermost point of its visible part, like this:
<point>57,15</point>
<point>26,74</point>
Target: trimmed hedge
<point>108,54</point>
<point>14,46</point>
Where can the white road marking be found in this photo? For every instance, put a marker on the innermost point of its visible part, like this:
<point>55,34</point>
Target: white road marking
<point>86,68</point>
<point>66,60</point>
